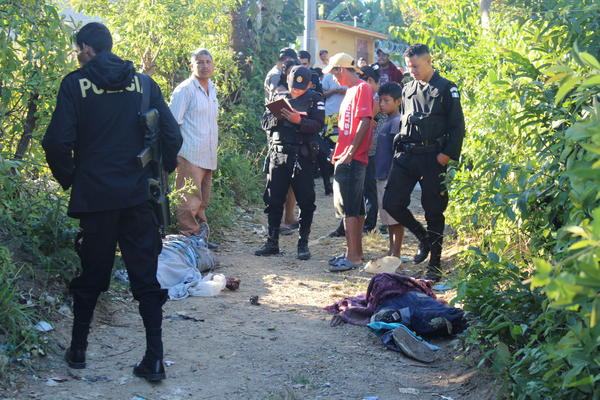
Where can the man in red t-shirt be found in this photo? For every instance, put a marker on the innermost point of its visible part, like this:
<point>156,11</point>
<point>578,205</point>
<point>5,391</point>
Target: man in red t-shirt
<point>350,157</point>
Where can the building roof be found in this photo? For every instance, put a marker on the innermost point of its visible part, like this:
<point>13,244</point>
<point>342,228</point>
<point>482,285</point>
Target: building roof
<point>349,28</point>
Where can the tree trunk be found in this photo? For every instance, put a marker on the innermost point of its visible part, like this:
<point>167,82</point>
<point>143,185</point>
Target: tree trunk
<point>28,126</point>
<point>242,38</point>
<point>484,7</point>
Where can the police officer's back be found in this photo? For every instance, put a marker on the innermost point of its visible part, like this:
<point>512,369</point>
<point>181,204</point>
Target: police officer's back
<point>431,133</point>
<point>291,154</point>
<point>91,146</point>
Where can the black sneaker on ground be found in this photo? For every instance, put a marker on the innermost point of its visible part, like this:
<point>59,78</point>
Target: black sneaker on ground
<point>75,358</point>
<point>303,251</point>
<point>151,370</point>
<point>212,246</point>
<point>267,249</point>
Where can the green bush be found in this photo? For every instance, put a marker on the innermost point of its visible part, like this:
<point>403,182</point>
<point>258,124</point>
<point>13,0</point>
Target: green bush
<point>33,217</point>
<point>525,196</point>
<point>16,319</point>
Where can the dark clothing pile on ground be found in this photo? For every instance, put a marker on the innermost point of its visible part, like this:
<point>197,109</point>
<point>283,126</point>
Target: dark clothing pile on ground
<point>413,301</point>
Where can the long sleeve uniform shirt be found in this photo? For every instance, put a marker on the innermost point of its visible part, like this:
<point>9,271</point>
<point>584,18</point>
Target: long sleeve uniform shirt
<point>95,135</point>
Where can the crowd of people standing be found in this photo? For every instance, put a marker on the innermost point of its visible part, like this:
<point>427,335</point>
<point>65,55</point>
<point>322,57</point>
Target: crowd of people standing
<point>376,137</point>
<point>381,131</point>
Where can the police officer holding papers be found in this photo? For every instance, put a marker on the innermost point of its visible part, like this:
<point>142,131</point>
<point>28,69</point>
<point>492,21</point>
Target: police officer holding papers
<point>91,146</point>
<point>432,129</point>
<point>292,149</point>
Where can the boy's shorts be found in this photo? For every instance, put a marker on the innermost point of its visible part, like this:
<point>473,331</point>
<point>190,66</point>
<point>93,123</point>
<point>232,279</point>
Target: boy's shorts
<point>386,219</point>
<point>348,186</point>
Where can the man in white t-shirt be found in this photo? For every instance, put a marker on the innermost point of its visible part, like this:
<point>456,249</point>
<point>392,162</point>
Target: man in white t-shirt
<point>323,59</point>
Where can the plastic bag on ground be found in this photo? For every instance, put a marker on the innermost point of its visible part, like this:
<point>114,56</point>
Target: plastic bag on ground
<point>209,285</point>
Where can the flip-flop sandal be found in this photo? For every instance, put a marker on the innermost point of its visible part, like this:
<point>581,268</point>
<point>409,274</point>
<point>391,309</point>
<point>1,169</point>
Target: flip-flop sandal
<point>334,260</point>
<point>343,265</point>
<point>288,229</point>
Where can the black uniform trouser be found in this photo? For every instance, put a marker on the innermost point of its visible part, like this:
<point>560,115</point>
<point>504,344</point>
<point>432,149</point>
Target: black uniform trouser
<point>135,229</point>
<point>287,169</point>
<point>407,170</point>
<point>370,196</point>
<point>325,166</point>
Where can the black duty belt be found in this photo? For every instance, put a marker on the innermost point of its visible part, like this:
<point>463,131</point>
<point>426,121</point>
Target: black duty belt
<point>288,148</point>
<point>419,148</point>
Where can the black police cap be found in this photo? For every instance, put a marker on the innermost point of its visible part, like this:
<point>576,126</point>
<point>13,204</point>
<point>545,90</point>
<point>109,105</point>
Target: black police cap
<point>301,77</point>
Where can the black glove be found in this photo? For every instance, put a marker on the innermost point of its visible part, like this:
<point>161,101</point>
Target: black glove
<point>398,143</point>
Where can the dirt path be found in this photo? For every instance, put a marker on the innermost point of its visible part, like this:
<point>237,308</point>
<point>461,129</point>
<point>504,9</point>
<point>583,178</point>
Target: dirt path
<point>281,349</point>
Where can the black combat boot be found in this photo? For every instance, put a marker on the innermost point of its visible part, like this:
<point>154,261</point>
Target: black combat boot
<point>75,357</point>
<point>271,247</point>
<point>328,186</point>
<point>434,271</point>
<point>151,367</point>
<point>150,370</point>
<point>424,246</point>
<point>303,234</point>
<point>83,310</point>
<point>303,251</point>
<point>339,231</point>
<point>422,253</point>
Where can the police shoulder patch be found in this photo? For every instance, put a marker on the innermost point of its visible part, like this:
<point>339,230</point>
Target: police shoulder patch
<point>454,92</point>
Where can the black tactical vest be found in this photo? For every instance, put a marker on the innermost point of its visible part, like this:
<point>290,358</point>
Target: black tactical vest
<point>424,117</point>
<point>286,133</point>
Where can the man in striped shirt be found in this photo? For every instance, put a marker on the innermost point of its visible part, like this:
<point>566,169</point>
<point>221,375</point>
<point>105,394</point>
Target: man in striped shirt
<point>195,108</point>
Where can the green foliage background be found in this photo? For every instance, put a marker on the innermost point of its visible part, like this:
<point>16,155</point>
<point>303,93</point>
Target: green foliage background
<point>525,196</point>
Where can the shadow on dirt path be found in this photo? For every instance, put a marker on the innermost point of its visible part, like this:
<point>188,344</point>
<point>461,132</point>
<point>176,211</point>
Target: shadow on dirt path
<point>283,348</point>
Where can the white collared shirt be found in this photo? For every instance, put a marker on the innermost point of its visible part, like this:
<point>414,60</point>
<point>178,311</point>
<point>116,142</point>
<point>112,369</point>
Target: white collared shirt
<point>196,112</point>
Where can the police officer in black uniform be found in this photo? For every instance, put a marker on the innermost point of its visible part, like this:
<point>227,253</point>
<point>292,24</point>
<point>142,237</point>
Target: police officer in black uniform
<point>291,154</point>
<point>91,146</point>
<point>431,133</point>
